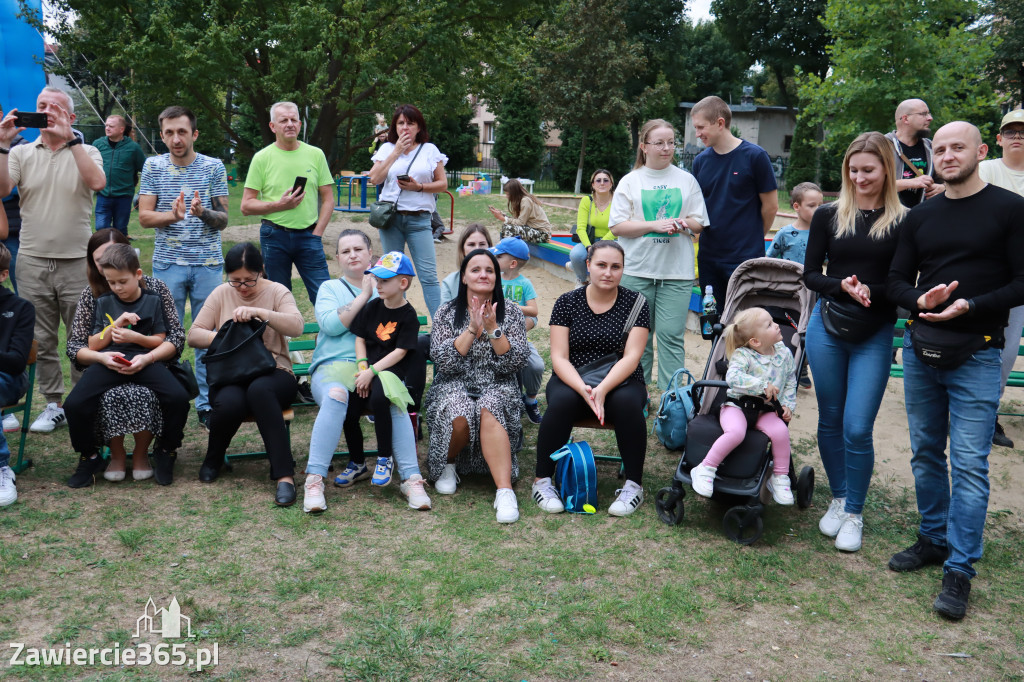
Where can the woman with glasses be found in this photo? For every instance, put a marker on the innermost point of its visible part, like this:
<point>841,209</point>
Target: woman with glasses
<point>528,219</point>
<point>249,295</point>
<point>592,221</point>
<point>657,211</point>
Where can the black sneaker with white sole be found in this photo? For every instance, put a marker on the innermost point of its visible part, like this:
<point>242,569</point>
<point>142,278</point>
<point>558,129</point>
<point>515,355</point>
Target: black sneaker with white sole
<point>532,411</point>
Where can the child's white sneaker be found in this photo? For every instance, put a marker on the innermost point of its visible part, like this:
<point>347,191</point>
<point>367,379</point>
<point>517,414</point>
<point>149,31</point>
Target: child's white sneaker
<point>506,505</point>
<point>11,423</point>
<point>849,536</point>
<point>702,479</point>
<point>778,486</point>
<point>833,519</point>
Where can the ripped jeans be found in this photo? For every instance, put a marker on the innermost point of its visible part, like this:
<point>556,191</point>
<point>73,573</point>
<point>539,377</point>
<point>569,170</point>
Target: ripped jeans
<point>329,422</point>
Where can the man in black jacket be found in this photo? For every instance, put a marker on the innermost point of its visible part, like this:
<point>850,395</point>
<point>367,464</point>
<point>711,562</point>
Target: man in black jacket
<point>959,285</point>
<point>17,321</point>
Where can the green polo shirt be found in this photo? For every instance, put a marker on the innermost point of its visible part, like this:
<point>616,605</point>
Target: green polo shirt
<point>122,163</point>
<point>273,172</point>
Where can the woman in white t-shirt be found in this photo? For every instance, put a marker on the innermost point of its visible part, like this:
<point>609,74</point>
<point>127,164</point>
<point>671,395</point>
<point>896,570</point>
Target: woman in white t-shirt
<point>412,171</point>
<point>657,211</point>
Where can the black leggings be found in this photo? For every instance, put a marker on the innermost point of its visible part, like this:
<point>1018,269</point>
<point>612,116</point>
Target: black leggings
<point>264,398</point>
<point>380,407</point>
<point>623,407</point>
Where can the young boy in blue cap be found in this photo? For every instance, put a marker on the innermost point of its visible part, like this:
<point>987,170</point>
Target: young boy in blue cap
<point>512,254</point>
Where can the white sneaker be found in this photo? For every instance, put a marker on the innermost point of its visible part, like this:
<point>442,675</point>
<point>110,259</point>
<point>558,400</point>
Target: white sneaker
<point>546,497</point>
<point>412,488</point>
<point>833,519</point>
<point>51,418</point>
<point>506,505</point>
<point>702,480</point>
<point>11,423</point>
<point>313,499</point>
<point>778,486</point>
<point>630,496</point>
<point>848,538</point>
<point>448,482</point>
<point>8,493</point>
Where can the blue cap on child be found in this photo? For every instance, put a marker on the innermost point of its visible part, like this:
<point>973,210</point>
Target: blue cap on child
<point>513,246</point>
<point>391,265</point>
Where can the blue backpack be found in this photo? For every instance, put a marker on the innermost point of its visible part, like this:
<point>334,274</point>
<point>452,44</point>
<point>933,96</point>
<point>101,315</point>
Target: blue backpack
<point>576,476</point>
<point>675,412</point>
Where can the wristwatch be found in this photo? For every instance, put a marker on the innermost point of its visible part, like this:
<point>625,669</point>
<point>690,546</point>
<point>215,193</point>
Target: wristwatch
<point>72,142</point>
<point>496,334</point>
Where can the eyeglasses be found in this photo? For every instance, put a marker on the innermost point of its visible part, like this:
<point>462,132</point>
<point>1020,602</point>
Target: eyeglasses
<point>921,113</point>
<point>602,180</point>
<point>661,145</point>
<point>247,283</point>
<point>1013,134</point>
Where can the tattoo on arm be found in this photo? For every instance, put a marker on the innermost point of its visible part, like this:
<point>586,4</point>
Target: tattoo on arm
<point>344,308</point>
<point>216,217</point>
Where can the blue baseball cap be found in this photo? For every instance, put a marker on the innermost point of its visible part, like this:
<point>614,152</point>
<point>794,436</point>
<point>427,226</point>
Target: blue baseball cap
<point>513,246</point>
<point>391,265</point>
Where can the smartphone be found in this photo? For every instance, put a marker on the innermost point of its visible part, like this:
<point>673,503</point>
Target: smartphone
<point>300,185</point>
<point>122,361</point>
<point>403,177</point>
<point>31,119</point>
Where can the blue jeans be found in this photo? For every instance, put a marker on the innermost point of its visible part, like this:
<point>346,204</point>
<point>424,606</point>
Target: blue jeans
<point>194,282</point>
<point>849,382</point>
<point>282,247</point>
<point>578,259</point>
<point>113,212</point>
<point>962,402</point>
<point>11,390</point>
<point>12,244</point>
<point>415,231</point>
<point>328,425</point>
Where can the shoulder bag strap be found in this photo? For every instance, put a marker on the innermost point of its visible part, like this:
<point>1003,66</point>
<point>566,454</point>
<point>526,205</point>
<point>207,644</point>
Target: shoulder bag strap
<point>634,313</point>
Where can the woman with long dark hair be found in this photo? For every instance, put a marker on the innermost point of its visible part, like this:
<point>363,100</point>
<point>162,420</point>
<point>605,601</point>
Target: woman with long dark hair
<point>526,218</point>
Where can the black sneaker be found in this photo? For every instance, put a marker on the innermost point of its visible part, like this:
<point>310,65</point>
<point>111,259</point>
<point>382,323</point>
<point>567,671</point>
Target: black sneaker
<point>203,416</point>
<point>163,466</point>
<point>305,394</point>
<point>922,553</point>
<point>88,468</point>
<point>952,601</point>
<point>1000,438</point>
<point>532,411</point>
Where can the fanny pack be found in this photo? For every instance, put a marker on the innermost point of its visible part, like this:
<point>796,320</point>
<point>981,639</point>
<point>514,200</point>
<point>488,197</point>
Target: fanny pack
<point>848,321</point>
<point>944,348</point>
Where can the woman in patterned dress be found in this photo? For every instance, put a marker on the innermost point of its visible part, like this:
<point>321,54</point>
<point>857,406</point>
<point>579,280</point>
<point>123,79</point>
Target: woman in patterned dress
<point>474,406</point>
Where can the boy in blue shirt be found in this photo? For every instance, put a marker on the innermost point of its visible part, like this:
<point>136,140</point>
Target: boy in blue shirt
<point>512,254</point>
<point>790,242</point>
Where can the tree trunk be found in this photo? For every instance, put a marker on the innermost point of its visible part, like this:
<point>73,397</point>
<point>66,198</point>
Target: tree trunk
<point>583,154</point>
<point>781,81</point>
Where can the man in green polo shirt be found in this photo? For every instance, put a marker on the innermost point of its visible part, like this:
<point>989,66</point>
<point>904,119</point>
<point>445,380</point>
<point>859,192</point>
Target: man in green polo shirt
<point>292,223</point>
<point>123,160</point>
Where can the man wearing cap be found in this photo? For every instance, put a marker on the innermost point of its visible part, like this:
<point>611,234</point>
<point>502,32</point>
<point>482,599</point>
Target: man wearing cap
<point>123,160</point>
<point>913,153</point>
<point>285,181</point>
<point>1008,173</point>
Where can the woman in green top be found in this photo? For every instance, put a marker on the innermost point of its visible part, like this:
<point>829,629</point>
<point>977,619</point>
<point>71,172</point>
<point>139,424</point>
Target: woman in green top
<point>594,211</point>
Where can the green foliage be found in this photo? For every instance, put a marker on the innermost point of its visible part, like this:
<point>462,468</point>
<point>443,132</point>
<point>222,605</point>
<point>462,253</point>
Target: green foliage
<point>658,27</point>
<point>456,138</point>
<point>1007,65</point>
<point>707,64</point>
<point>809,161</point>
<point>518,138</point>
<point>609,148</point>
<point>884,53</point>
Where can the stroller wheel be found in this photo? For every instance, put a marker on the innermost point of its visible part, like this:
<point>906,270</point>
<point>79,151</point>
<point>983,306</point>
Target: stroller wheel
<point>669,503</point>
<point>743,525</point>
<point>805,487</point>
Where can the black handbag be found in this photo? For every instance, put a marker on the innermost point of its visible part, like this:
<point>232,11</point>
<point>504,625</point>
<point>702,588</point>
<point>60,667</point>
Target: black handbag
<point>594,372</point>
<point>944,348</point>
<point>238,354</point>
<point>848,321</point>
<point>590,230</point>
<point>381,212</point>
<point>182,371</point>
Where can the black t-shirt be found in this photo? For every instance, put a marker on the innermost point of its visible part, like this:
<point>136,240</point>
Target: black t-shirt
<point>385,329</point>
<point>592,336</point>
<point>918,157</point>
<point>978,241</point>
<point>148,307</point>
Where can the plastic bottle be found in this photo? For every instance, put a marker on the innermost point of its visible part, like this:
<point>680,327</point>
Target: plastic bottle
<point>710,310</point>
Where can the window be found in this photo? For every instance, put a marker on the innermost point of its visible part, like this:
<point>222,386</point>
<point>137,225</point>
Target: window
<point>787,142</point>
<point>489,132</point>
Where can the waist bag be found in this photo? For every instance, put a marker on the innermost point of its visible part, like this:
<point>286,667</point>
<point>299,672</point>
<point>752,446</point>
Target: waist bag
<point>576,475</point>
<point>943,348</point>
<point>848,321</point>
<point>675,411</point>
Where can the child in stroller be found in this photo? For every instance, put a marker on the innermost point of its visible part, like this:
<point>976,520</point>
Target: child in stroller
<point>761,394</point>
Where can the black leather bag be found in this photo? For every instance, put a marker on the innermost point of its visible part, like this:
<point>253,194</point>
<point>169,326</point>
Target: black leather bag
<point>382,212</point>
<point>238,354</point>
<point>594,372</point>
<point>848,321</point>
<point>944,348</point>
<point>182,371</point>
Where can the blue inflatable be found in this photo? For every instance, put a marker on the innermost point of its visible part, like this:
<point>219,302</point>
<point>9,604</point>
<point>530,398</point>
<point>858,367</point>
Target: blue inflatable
<point>21,60</point>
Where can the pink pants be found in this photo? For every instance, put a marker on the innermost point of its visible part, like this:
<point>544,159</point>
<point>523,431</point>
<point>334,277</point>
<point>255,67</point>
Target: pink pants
<point>734,424</point>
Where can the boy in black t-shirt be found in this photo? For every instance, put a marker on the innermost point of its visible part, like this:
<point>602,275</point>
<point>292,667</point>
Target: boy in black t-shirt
<point>129,333</point>
<point>386,330</point>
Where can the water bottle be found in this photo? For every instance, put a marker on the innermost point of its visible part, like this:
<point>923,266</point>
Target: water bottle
<point>710,313</point>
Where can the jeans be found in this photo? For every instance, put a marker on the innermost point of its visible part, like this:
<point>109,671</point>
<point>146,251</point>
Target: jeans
<point>328,425</point>
<point>113,212</point>
<point>668,301</point>
<point>194,282</point>
<point>12,243</point>
<point>578,259</point>
<point>11,390</point>
<point>282,247</point>
<point>414,230</point>
<point>962,402</point>
<point>849,382</point>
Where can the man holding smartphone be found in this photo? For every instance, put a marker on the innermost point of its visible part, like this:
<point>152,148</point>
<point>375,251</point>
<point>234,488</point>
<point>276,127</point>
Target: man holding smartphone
<point>279,187</point>
<point>56,177</point>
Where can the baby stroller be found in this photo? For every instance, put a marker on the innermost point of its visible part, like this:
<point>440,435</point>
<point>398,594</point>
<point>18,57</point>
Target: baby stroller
<point>775,285</point>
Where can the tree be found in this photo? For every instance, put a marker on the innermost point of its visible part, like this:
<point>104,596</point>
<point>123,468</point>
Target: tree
<point>1007,63</point>
<point>457,138</point>
<point>707,64</point>
<point>658,27</point>
<point>608,148</point>
<point>518,138</point>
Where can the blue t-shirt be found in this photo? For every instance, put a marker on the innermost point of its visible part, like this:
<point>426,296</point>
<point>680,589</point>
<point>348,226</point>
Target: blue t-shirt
<point>519,290</point>
<point>189,241</point>
<point>731,184</point>
<point>789,244</point>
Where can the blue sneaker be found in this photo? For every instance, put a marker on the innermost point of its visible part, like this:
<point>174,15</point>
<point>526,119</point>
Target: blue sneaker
<point>382,472</point>
<point>352,473</point>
